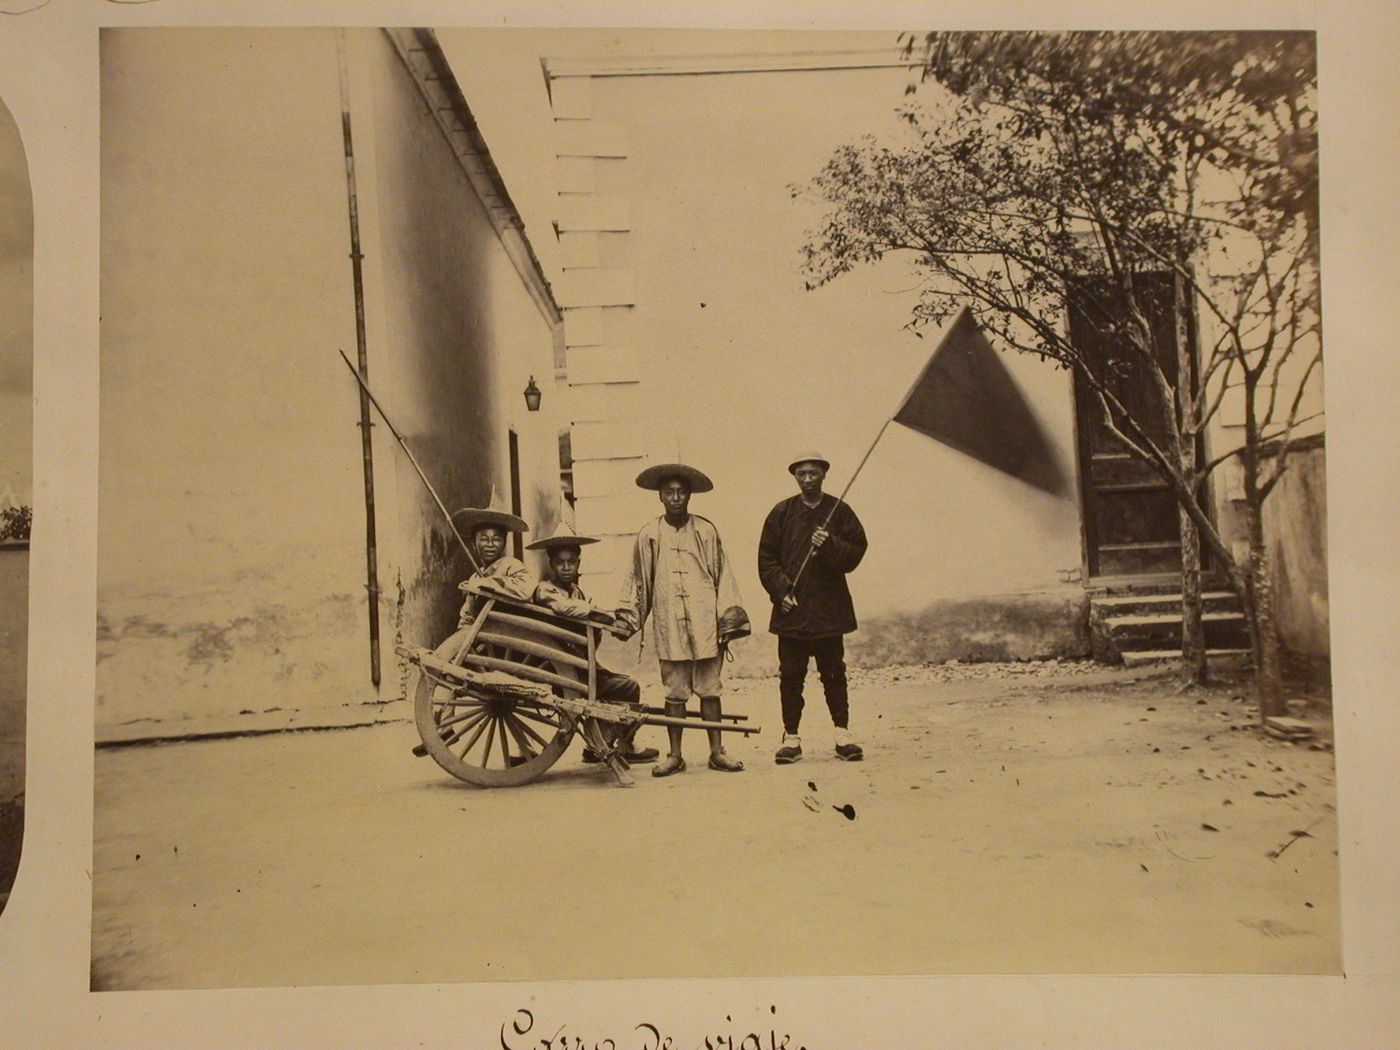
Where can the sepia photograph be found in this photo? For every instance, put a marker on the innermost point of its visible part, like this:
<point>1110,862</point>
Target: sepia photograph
<point>929,423</point>
<point>16,484</point>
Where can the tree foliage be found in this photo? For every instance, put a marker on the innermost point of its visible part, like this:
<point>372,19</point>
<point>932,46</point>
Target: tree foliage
<point>15,523</point>
<point>1055,163</point>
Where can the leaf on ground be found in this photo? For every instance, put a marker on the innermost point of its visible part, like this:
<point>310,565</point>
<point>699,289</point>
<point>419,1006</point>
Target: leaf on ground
<point>1209,827</point>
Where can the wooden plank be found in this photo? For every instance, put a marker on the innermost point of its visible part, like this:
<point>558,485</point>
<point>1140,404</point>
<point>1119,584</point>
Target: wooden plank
<point>573,636</point>
<point>592,666</point>
<point>548,652</point>
<point>533,674</point>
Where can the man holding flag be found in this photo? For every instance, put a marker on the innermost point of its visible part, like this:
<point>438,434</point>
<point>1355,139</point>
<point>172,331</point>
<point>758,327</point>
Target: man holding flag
<point>964,398</point>
<point>809,543</point>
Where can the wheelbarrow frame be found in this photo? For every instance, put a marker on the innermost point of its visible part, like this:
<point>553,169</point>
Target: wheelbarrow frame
<point>524,675</point>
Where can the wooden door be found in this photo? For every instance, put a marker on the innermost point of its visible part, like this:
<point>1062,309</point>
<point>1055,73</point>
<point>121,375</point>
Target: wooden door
<point>1131,523</point>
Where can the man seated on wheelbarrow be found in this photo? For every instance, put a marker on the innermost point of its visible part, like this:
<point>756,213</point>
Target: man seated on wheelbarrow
<point>559,592</point>
<point>486,529</point>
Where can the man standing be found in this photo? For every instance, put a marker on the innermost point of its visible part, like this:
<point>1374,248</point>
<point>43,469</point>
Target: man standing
<point>809,543</point>
<point>680,577</point>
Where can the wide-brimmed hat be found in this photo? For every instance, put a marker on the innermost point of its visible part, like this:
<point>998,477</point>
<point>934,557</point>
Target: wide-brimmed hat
<point>469,519</point>
<point>652,477</point>
<point>809,456</point>
<point>563,536</point>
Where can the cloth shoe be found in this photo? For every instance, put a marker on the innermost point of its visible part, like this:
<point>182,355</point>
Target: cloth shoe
<point>642,754</point>
<point>847,749</point>
<point>790,751</point>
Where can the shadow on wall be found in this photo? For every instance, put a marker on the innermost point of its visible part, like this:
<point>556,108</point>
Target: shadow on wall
<point>1037,625</point>
<point>1295,530</point>
<point>1034,625</point>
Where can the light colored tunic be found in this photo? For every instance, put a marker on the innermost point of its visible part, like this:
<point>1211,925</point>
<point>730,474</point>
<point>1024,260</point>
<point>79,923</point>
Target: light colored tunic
<point>567,601</point>
<point>506,576</point>
<point>681,577</point>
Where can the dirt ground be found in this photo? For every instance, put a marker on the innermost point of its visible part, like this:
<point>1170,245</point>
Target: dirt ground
<point>1004,821</point>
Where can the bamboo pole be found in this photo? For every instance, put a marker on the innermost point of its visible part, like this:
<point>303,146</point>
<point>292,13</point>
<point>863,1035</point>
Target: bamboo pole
<point>366,444</point>
<point>412,459</point>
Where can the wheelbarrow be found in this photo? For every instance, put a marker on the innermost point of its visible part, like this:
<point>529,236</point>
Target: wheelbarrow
<point>499,701</point>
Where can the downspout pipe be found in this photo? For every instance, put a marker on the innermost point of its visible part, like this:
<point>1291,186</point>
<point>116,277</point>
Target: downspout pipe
<point>366,423</point>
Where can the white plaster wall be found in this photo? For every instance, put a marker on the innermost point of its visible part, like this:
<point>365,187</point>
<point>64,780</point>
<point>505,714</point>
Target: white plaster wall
<point>232,522</point>
<point>231,510</point>
<point>740,366</point>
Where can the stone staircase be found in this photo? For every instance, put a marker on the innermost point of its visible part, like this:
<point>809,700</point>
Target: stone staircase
<point>1138,629</point>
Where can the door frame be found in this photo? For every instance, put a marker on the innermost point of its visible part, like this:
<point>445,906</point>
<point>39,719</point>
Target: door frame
<point>1090,579</point>
<point>513,443</point>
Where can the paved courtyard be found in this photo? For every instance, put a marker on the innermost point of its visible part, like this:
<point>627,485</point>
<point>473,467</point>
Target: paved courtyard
<point>1071,820</point>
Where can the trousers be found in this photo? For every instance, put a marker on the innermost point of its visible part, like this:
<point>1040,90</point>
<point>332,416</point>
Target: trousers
<point>793,657</point>
<point>617,688</point>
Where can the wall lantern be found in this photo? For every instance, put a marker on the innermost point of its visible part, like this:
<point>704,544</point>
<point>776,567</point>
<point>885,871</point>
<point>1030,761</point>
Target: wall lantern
<point>532,396</point>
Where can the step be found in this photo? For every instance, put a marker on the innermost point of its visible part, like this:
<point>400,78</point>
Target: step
<point>1130,604</point>
<point>1170,619</point>
<point>1215,657</point>
<point>1221,630</point>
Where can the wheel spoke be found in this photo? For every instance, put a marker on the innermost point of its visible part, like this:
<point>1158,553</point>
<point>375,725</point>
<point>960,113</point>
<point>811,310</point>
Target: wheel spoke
<point>490,738</point>
<point>463,722</point>
<point>505,745</point>
<point>537,715</point>
<point>514,725</point>
<point>476,733</point>
<point>446,716</point>
<point>451,698</point>
<point>443,693</point>
<point>520,729</point>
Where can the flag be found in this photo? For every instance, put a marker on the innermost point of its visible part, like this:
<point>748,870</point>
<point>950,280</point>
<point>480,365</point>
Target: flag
<point>966,399</point>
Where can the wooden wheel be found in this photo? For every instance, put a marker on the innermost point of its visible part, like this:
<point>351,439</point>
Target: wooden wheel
<point>486,738</point>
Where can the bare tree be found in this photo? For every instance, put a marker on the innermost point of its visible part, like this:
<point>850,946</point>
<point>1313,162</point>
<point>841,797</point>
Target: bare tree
<point>1127,179</point>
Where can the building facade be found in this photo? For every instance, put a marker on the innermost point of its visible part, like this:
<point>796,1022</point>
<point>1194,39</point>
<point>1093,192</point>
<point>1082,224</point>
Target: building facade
<point>271,198</point>
<point>690,334</point>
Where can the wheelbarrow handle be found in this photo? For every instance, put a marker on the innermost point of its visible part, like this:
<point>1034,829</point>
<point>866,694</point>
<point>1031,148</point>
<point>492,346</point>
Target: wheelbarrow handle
<point>695,723</point>
<point>651,710</point>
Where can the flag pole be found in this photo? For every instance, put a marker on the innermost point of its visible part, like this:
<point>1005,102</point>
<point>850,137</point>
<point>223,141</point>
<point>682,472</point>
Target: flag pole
<point>842,498</point>
<point>476,566</point>
<point>881,433</point>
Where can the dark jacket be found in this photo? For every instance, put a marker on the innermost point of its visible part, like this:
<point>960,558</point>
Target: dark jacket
<point>823,600</point>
